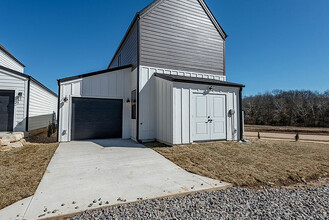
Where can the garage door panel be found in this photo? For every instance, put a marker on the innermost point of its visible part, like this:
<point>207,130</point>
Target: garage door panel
<point>96,118</point>
<point>6,110</point>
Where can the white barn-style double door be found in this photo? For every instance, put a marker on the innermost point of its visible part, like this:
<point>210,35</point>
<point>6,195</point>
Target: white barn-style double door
<point>209,117</point>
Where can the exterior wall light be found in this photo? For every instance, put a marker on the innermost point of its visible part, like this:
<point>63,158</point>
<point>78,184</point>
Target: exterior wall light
<point>211,88</point>
<point>128,101</point>
<point>65,99</point>
<point>20,95</point>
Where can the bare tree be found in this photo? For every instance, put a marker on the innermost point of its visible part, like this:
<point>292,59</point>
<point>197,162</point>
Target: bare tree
<point>288,108</point>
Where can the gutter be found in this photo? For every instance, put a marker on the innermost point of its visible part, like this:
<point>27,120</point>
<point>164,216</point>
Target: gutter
<point>138,74</point>
<point>240,112</point>
<point>28,104</point>
<point>58,103</point>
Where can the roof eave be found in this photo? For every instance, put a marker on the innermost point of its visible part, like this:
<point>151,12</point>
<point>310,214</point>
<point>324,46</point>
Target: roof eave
<point>67,79</point>
<point>27,77</point>
<point>194,80</point>
<point>213,18</point>
<point>10,55</point>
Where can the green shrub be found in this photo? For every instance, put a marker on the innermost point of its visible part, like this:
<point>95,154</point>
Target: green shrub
<point>50,130</point>
<point>53,128</point>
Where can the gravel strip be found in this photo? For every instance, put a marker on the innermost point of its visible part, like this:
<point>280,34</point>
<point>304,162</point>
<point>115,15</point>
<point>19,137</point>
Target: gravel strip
<point>235,203</point>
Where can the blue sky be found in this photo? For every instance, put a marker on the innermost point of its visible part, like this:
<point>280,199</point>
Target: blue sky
<point>272,44</point>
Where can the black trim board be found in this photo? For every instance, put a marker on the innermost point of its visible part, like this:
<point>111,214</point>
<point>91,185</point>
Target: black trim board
<point>93,73</point>
<point>58,109</point>
<point>138,74</point>
<point>241,119</point>
<point>195,80</point>
<point>28,77</point>
<point>28,105</point>
<point>11,56</point>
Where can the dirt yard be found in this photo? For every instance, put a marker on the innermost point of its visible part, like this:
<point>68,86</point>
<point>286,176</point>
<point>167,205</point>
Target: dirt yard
<point>286,129</point>
<point>21,169</point>
<point>256,164</point>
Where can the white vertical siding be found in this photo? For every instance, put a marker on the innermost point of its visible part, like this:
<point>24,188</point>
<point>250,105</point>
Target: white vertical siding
<point>65,109</point>
<point>181,111</point>
<point>147,101</point>
<point>42,107</point>
<point>164,111</point>
<point>147,104</point>
<point>9,81</point>
<point>154,109</point>
<point>9,62</point>
<point>182,119</point>
<point>112,85</point>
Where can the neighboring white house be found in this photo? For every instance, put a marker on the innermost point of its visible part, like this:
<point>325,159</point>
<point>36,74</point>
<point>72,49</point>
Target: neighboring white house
<point>25,104</point>
<point>166,82</point>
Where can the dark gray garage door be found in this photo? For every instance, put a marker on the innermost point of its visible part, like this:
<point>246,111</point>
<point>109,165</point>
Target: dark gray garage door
<point>96,118</point>
<point>6,110</point>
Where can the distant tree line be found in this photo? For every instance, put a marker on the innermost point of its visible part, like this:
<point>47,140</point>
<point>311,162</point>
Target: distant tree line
<point>288,108</point>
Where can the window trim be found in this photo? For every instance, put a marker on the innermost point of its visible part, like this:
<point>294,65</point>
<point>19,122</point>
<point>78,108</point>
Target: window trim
<point>119,60</point>
<point>134,104</point>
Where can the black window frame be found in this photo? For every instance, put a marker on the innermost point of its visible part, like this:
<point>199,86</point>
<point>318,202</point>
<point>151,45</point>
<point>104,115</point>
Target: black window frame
<point>134,104</point>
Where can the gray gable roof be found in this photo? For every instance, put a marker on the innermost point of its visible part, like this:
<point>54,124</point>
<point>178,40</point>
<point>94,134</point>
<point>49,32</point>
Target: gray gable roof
<point>10,55</point>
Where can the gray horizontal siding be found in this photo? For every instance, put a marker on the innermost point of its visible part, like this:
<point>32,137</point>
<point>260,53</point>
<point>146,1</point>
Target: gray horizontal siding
<point>42,107</point>
<point>41,121</point>
<point>178,34</point>
<point>128,50</point>
<point>9,62</point>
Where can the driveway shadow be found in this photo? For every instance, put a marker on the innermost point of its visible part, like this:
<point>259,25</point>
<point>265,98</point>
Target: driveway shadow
<point>108,143</point>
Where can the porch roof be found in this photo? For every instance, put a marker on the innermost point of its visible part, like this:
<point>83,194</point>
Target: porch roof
<point>196,80</point>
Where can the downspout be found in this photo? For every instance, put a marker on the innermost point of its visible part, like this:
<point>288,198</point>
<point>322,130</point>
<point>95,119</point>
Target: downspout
<point>28,104</point>
<point>241,118</point>
<point>138,67</point>
<point>58,103</point>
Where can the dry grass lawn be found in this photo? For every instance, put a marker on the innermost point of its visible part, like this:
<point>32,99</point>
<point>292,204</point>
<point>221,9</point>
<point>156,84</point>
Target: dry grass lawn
<point>259,163</point>
<point>22,169</point>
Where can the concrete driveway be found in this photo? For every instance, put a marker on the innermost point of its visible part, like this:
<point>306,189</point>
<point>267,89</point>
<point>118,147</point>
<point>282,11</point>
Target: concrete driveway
<point>114,171</point>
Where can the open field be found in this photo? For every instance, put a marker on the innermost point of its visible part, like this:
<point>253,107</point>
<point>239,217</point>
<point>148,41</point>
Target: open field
<point>286,129</point>
<point>313,138</point>
<point>21,170</point>
<point>258,163</point>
